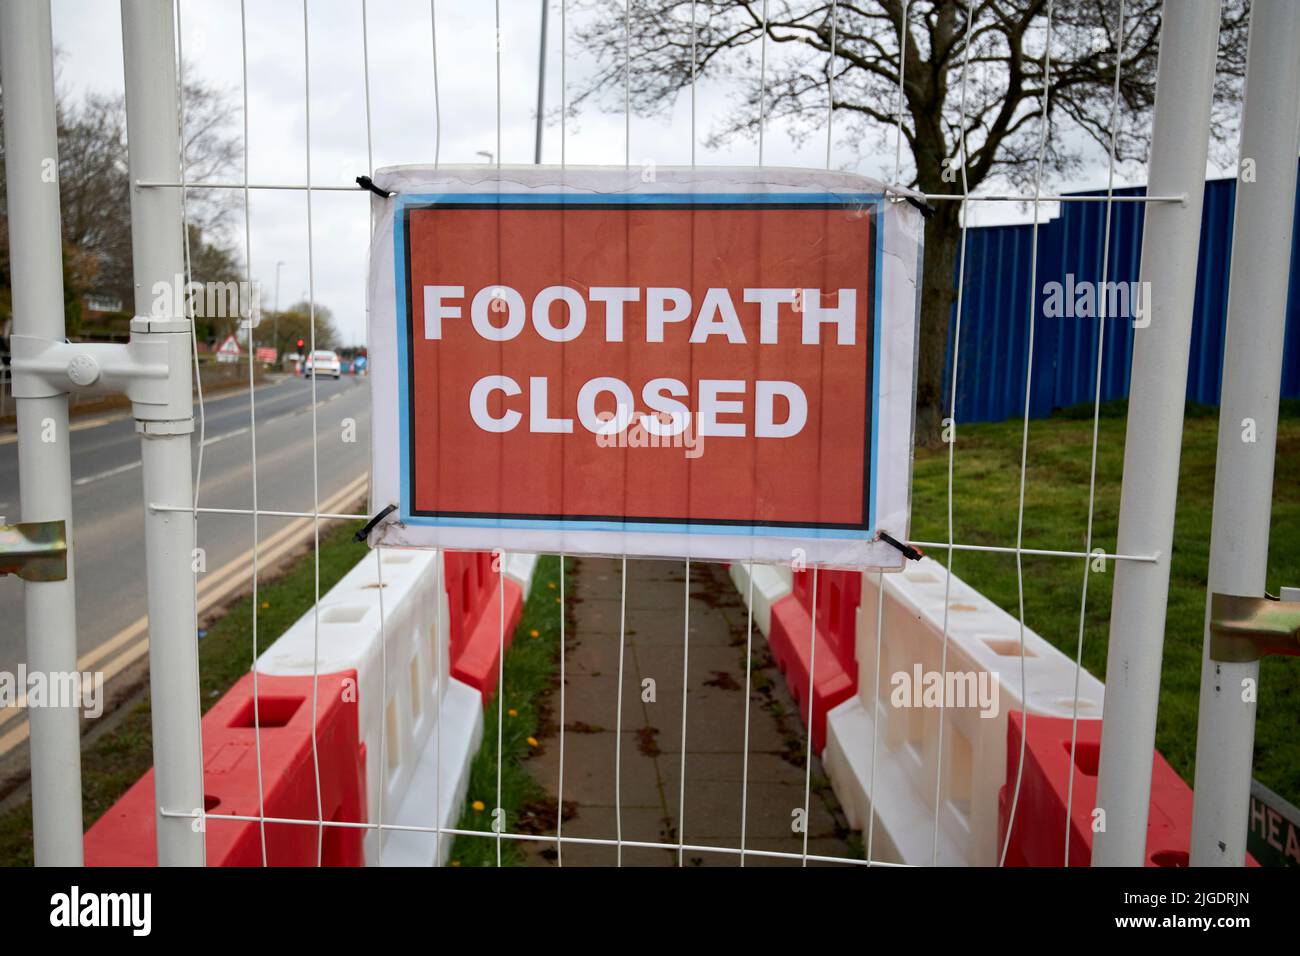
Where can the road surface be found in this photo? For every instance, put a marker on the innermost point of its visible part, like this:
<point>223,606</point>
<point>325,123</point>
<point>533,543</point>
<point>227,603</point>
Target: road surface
<point>108,509</point>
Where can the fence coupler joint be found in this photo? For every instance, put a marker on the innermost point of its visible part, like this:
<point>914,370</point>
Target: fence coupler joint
<point>152,368</point>
<point>35,550</point>
<point>1249,628</point>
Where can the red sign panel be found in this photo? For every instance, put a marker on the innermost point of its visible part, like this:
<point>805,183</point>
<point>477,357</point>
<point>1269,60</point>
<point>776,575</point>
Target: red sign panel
<point>689,363</point>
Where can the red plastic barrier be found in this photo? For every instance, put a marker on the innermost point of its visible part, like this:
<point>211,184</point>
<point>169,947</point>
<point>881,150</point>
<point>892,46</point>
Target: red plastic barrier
<point>125,835</point>
<point>838,595</point>
<point>1037,837</point>
<point>474,597</point>
<point>836,670</point>
<point>467,575</point>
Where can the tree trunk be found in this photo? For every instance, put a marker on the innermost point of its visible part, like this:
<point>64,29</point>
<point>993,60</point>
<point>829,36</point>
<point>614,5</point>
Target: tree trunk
<point>938,293</point>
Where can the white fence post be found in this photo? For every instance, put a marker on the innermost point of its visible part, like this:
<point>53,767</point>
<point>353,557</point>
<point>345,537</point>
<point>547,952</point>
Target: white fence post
<point>153,143</point>
<point>44,461</point>
<point>1252,375</point>
<point>1179,143</point>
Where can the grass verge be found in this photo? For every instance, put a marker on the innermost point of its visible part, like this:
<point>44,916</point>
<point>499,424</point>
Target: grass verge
<point>531,668</point>
<point>116,760</point>
<point>986,481</point>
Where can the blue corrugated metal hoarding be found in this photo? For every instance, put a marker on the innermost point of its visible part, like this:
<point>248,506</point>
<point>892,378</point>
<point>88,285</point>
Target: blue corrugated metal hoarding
<point>996,310</point>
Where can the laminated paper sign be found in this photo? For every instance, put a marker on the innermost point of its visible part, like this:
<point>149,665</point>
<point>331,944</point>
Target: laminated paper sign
<point>715,363</point>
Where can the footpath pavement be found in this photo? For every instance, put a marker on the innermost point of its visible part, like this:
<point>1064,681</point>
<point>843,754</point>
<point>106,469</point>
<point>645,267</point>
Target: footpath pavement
<point>649,789</point>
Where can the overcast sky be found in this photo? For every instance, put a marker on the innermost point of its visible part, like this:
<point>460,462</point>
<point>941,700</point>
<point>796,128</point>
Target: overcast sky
<point>87,34</point>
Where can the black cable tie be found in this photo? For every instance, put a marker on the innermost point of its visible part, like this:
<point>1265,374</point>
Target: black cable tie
<point>365,182</point>
<point>926,209</point>
<point>370,525</point>
<point>909,551</point>
<point>920,202</point>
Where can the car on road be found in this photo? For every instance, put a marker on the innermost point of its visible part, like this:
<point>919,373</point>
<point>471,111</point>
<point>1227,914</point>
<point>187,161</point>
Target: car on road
<point>323,362</point>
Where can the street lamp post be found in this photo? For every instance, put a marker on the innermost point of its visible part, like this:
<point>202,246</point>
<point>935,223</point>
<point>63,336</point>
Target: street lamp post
<point>541,88</point>
<point>275,322</point>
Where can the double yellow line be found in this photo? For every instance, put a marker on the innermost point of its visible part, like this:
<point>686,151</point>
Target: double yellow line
<point>132,642</point>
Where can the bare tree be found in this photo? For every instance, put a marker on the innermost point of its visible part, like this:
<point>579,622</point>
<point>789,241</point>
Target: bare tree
<point>95,198</point>
<point>94,195</point>
<point>974,74</point>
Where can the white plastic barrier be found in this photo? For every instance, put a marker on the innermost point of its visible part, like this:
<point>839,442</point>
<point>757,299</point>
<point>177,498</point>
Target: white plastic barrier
<point>459,735</point>
<point>771,583</point>
<point>418,695</point>
<point>982,639</point>
<point>520,567</point>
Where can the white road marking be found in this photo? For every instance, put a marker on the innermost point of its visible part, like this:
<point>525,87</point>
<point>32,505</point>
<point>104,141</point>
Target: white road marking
<point>132,465</point>
<point>10,437</point>
<point>216,438</point>
<point>119,470</point>
<point>122,469</point>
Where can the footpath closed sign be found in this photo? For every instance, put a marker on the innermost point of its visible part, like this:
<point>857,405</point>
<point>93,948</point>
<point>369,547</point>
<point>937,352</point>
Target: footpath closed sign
<point>715,365</point>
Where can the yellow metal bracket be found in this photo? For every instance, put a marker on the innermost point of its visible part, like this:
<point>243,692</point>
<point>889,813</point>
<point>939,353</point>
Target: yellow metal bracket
<point>1248,628</point>
<point>34,550</point>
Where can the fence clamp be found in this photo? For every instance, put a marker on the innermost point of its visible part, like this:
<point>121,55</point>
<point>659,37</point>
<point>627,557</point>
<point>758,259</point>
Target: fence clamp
<point>1248,628</point>
<point>152,369</point>
<point>34,550</point>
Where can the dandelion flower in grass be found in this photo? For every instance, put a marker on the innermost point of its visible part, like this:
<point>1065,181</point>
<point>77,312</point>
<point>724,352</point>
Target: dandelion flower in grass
<point>532,741</point>
<point>265,605</point>
<point>534,633</point>
<point>479,806</point>
<point>551,585</point>
<point>512,712</point>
